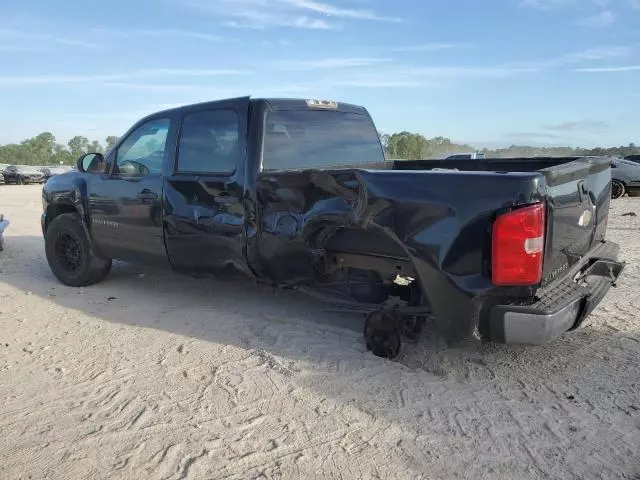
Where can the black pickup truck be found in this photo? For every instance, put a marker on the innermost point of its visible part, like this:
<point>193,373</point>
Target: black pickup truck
<point>297,193</point>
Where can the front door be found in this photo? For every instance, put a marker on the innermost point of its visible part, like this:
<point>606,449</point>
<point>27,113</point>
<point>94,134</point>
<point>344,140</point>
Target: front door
<point>126,203</point>
<point>203,197</point>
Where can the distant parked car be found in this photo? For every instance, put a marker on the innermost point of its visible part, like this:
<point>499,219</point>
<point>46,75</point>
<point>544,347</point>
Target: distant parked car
<point>2,167</point>
<point>22,174</point>
<point>625,177</point>
<point>52,171</point>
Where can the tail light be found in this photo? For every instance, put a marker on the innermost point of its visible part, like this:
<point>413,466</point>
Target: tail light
<point>518,244</point>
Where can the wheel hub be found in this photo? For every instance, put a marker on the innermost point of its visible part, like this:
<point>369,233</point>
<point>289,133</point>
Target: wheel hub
<point>68,252</point>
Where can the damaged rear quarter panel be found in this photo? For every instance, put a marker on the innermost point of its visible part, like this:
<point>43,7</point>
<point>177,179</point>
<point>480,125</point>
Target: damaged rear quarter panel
<point>440,221</point>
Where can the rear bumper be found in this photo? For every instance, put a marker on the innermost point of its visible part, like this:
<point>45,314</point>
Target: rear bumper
<point>563,305</point>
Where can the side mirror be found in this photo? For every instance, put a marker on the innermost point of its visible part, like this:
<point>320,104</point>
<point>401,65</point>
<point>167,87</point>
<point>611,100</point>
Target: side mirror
<point>91,163</point>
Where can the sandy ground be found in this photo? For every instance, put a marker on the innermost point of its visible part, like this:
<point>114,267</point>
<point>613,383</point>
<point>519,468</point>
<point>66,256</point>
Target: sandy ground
<point>156,375</point>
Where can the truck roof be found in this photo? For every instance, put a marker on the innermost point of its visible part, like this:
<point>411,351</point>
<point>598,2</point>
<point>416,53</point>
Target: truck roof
<point>275,104</point>
<point>301,104</point>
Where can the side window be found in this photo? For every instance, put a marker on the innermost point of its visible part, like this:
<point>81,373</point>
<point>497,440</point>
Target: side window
<point>142,152</point>
<point>209,142</point>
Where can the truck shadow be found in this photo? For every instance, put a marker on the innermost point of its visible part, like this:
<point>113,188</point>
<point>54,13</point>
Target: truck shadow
<point>285,324</point>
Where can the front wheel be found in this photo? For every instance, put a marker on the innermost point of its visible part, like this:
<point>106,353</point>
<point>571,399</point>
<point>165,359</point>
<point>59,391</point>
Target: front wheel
<point>617,189</point>
<point>69,253</point>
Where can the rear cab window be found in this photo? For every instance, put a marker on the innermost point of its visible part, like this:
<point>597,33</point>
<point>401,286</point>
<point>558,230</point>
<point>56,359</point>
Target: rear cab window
<point>295,139</point>
<point>209,142</point>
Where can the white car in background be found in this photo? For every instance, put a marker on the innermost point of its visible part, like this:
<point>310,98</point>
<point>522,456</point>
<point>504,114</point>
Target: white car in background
<point>625,177</point>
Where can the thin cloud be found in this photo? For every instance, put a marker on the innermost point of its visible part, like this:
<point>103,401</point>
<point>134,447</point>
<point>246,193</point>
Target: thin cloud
<point>301,14</point>
<point>579,125</point>
<point>601,53</point>
<point>375,83</point>
<point>161,32</point>
<point>263,21</point>
<point>18,39</point>
<point>463,72</point>
<point>153,87</point>
<point>101,78</point>
<point>400,72</point>
<point>531,136</point>
<point>431,47</point>
<point>175,32</point>
<point>333,11</point>
<point>626,68</point>
<point>592,54</point>
<point>600,20</point>
<point>553,4</point>
<point>544,4</point>
<point>325,63</point>
<point>21,48</point>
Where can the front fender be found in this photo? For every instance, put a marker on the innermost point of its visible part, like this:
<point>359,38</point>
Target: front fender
<point>67,193</point>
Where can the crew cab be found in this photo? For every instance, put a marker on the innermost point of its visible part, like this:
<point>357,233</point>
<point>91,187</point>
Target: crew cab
<point>297,193</point>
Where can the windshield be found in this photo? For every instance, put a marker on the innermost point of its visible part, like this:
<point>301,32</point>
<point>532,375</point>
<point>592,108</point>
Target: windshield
<point>306,139</point>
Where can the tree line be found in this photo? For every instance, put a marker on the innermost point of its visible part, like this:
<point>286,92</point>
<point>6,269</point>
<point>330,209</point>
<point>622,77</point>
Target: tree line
<point>407,145</point>
<point>43,149</point>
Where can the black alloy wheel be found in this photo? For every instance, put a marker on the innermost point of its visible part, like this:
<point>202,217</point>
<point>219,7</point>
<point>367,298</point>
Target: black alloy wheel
<point>68,252</point>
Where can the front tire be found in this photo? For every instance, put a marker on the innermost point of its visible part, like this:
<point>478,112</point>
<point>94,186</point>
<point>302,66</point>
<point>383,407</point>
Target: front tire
<point>617,189</point>
<point>69,253</point>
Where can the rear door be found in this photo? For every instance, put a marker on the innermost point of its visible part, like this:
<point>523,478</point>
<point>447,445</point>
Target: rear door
<point>203,194</point>
<point>579,194</point>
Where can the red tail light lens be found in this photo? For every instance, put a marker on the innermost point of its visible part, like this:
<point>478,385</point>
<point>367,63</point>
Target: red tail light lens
<point>518,246</point>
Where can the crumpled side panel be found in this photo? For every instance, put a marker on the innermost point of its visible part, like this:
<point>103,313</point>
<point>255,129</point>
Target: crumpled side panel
<point>440,220</point>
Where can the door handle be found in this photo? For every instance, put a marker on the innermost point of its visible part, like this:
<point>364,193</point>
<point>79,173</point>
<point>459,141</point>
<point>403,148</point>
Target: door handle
<point>147,195</point>
<point>204,221</point>
<point>202,216</point>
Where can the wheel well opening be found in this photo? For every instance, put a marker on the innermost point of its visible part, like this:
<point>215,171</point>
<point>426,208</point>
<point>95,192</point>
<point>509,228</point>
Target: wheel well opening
<point>372,266</point>
<point>374,279</point>
<point>55,210</point>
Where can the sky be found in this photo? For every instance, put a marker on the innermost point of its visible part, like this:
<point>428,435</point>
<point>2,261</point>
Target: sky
<point>486,72</point>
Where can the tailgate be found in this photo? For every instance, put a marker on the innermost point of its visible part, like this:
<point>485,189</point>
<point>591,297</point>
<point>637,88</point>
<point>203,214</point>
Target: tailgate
<point>578,196</point>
